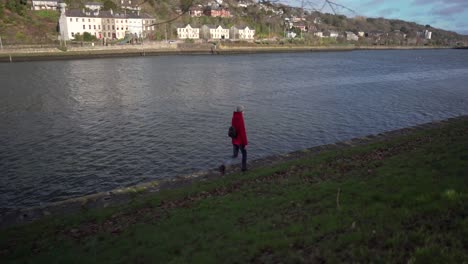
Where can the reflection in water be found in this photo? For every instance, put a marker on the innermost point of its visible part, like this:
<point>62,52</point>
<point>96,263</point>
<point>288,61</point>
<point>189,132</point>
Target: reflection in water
<point>70,128</point>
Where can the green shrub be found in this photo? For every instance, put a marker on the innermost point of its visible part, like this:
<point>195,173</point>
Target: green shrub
<point>85,37</point>
<point>2,8</point>
<point>20,36</point>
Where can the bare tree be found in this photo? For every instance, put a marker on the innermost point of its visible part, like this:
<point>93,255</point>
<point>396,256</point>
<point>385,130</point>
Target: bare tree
<point>310,5</point>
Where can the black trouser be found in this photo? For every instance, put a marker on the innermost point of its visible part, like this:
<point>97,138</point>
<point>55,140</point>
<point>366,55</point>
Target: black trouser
<point>244,154</point>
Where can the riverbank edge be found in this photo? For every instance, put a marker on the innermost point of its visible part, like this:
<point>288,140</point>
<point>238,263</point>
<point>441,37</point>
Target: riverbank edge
<point>7,56</point>
<point>124,196</point>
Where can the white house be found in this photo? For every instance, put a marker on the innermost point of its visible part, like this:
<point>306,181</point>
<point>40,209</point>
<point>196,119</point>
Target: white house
<point>318,34</point>
<point>427,34</point>
<point>243,3</point>
<point>93,6</point>
<point>351,36</point>
<point>196,11</point>
<point>148,24</point>
<point>213,32</point>
<point>121,25</point>
<point>45,4</point>
<point>331,34</point>
<point>133,5</point>
<point>103,24</point>
<point>108,24</point>
<point>291,34</point>
<point>244,33</point>
<point>135,25</point>
<point>76,21</point>
<point>188,32</point>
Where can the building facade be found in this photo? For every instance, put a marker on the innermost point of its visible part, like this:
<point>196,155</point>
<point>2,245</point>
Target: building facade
<point>351,36</point>
<point>196,11</point>
<point>103,24</point>
<point>45,5</point>
<point>243,33</point>
<point>214,32</point>
<point>188,32</point>
<point>217,12</point>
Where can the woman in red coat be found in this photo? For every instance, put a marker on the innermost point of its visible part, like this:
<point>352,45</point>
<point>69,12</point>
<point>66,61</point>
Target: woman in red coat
<point>240,141</point>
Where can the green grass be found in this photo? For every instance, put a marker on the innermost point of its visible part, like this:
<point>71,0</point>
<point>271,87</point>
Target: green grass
<point>400,201</point>
<point>52,15</point>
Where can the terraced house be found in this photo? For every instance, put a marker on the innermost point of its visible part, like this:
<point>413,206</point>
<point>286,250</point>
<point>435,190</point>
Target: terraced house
<point>45,5</point>
<point>104,24</point>
<point>242,33</point>
<point>214,32</point>
<point>188,32</point>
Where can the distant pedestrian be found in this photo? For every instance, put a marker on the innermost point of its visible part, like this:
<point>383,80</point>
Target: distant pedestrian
<point>240,141</point>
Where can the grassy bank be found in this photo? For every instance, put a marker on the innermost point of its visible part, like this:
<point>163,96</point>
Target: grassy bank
<point>398,201</point>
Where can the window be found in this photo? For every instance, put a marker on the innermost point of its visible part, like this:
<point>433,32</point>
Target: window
<point>94,26</point>
<point>71,19</point>
<point>89,26</point>
<point>113,27</point>
<point>84,26</point>
<point>82,20</point>
<point>99,27</point>
<point>89,19</point>
<point>76,19</point>
<point>73,34</point>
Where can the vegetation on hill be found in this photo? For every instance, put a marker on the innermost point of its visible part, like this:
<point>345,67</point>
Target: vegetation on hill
<point>18,24</point>
<point>403,200</point>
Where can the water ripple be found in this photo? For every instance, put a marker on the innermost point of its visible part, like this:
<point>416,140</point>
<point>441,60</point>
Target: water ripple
<point>70,128</point>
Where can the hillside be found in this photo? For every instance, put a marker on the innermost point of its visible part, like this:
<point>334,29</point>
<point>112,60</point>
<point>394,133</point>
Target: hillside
<point>23,26</point>
<point>20,25</point>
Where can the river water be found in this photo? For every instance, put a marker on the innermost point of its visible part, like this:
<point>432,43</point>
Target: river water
<point>71,128</point>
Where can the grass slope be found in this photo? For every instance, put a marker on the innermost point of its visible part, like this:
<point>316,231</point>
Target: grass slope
<point>403,200</point>
<point>34,27</point>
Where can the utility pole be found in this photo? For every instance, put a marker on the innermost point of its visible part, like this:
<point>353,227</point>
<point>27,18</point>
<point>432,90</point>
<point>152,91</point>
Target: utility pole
<point>165,31</point>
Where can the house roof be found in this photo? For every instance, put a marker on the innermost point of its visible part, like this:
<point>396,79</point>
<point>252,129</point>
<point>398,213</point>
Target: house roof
<point>104,14</point>
<point>180,25</point>
<point>210,26</point>
<point>243,27</point>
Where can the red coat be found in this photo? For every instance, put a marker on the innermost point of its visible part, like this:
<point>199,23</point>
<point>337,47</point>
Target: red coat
<point>238,124</point>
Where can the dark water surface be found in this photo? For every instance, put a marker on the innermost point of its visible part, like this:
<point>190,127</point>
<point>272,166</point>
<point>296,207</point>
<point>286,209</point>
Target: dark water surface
<point>70,128</point>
